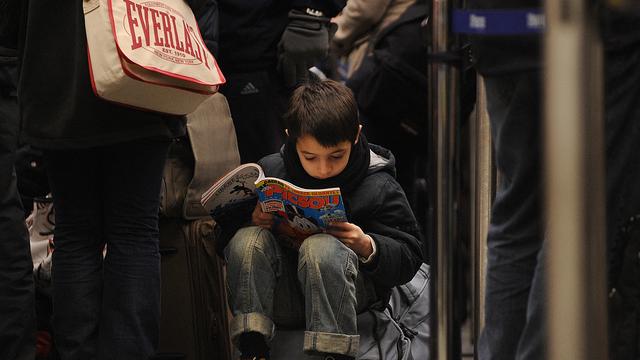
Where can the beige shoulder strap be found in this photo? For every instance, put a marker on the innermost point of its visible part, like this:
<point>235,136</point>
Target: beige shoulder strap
<point>215,150</point>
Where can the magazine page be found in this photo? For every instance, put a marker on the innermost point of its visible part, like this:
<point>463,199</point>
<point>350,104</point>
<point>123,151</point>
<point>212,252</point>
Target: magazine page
<point>304,211</point>
<point>236,186</point>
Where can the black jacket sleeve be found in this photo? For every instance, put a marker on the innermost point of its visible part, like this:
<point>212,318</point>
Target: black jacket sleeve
<point>395,231</point>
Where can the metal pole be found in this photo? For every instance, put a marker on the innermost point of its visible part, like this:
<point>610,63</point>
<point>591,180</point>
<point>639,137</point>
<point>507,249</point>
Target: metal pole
<point>481,196</point>
<point>574,179</point>
<point>443,114</point>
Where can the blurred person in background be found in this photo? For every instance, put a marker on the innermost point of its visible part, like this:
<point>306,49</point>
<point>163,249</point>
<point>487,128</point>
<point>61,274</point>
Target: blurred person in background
<point>17,297</point>
<point>104,164</point>
<point>266,49</point>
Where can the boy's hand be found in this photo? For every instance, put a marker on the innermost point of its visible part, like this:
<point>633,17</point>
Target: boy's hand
<point>261,218</point>
<point>352,236</point>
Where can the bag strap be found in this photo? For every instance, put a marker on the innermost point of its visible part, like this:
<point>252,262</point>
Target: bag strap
<point>215,150</point>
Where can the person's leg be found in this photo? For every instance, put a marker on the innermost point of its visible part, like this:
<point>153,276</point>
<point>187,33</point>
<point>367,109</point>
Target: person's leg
<point>533,339</point>
<point>77,258</point>
<point>622,115</point>
<point>130,318</point>
<point>515,235</point>
<point>257,103</point>
<point>17,312</point>
<point>327,271</point>
<point>254,264</point>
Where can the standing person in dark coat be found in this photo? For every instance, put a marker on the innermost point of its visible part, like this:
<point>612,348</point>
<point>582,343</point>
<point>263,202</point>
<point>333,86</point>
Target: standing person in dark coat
<point>331,276</point>
<point>105,166</point>
<point>17,297</point>
<point>266,47</point>
<point>515,301</point>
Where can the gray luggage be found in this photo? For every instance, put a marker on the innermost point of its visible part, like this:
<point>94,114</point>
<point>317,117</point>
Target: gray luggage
<point>401,332</point>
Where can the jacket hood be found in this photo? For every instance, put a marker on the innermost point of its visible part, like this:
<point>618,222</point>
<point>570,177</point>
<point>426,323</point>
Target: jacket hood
<point>381,160</point>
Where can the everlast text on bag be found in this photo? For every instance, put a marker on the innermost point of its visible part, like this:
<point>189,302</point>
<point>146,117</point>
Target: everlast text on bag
<point>149,55</point>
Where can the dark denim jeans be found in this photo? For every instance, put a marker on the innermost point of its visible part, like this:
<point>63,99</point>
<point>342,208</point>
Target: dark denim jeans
<point>257,102</point>
<point>106,309</point>
<point>17,312</point>
<point>515,297</point>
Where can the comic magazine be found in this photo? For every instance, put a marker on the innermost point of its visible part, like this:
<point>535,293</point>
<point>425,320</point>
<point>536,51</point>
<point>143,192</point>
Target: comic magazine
<point>233,189</point>
<point>301,212</point>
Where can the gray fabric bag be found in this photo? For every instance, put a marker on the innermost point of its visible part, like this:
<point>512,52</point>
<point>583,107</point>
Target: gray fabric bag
<point>401,332</point>
<point>194,165</point>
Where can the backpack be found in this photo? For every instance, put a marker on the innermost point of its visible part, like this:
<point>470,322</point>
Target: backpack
<point>400,331</point>
<point>391,84</point>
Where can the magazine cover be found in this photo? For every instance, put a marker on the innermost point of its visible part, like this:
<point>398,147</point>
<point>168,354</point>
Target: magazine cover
<point>305,211</point>
<point>300,212</point>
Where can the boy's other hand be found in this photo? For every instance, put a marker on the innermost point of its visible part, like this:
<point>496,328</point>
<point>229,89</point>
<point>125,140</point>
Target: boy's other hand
<point>352,236</point>
<point>261,218</point>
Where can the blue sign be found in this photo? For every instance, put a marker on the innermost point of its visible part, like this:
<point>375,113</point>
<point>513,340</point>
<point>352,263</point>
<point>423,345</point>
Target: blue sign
<point>498,22</point>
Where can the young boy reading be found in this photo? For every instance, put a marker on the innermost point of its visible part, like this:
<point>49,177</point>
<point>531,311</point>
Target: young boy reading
<point>324,281</point>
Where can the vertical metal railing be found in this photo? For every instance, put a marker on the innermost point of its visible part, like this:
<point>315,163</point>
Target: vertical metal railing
<point>481,164</point>
<point>444,110</point>
<point>574,179</point>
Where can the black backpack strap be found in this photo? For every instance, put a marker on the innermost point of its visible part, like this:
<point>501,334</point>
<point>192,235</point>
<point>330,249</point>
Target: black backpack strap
<point>418,10</point>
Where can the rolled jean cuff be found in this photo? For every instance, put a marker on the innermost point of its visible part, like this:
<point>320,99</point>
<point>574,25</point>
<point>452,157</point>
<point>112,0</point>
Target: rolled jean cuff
<point>256,322</point>
<point>321,342</point>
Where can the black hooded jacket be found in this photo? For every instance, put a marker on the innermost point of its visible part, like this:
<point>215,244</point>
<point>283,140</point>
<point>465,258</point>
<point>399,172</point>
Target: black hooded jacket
<point>379,206</point>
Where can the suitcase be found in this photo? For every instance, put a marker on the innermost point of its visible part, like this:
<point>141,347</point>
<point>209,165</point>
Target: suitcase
<point>193,323</point>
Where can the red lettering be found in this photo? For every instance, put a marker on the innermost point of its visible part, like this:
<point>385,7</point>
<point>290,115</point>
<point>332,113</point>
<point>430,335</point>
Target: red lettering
<point>270,190</point>
<point>335,200</point>
<point>303,201</point>
<point>316,203</point>
<point>144,21</point>
<point>188,47</point>
<point>133,23</point>
<point>179,44</point>
<point>156,26</point>
<point>206,60</point>
<point>166,27</point>
<point>198,52</point>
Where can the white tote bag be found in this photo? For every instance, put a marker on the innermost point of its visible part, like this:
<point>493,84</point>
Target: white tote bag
<point>149,54</point>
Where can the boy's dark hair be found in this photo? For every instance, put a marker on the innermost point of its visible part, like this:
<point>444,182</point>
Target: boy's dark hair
<point>324,109</point>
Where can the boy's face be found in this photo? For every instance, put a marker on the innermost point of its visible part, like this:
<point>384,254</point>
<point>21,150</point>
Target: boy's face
<point>322,162</point>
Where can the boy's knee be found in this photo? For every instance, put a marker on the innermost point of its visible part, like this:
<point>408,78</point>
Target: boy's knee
<point>248,237</point>
<point>326,252</point>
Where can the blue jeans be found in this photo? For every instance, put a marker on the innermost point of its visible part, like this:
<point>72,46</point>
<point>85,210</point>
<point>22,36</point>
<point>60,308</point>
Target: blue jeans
<point>106,309</point>
<point>17,293</point>
<point>319,286</point>
<point>515,296</point>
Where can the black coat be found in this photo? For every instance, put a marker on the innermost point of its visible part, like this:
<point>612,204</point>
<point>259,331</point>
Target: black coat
<point>379,206</point>
<point>57,103</point>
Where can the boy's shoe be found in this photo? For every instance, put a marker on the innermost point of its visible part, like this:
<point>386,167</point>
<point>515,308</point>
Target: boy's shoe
<point>253,346</point>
